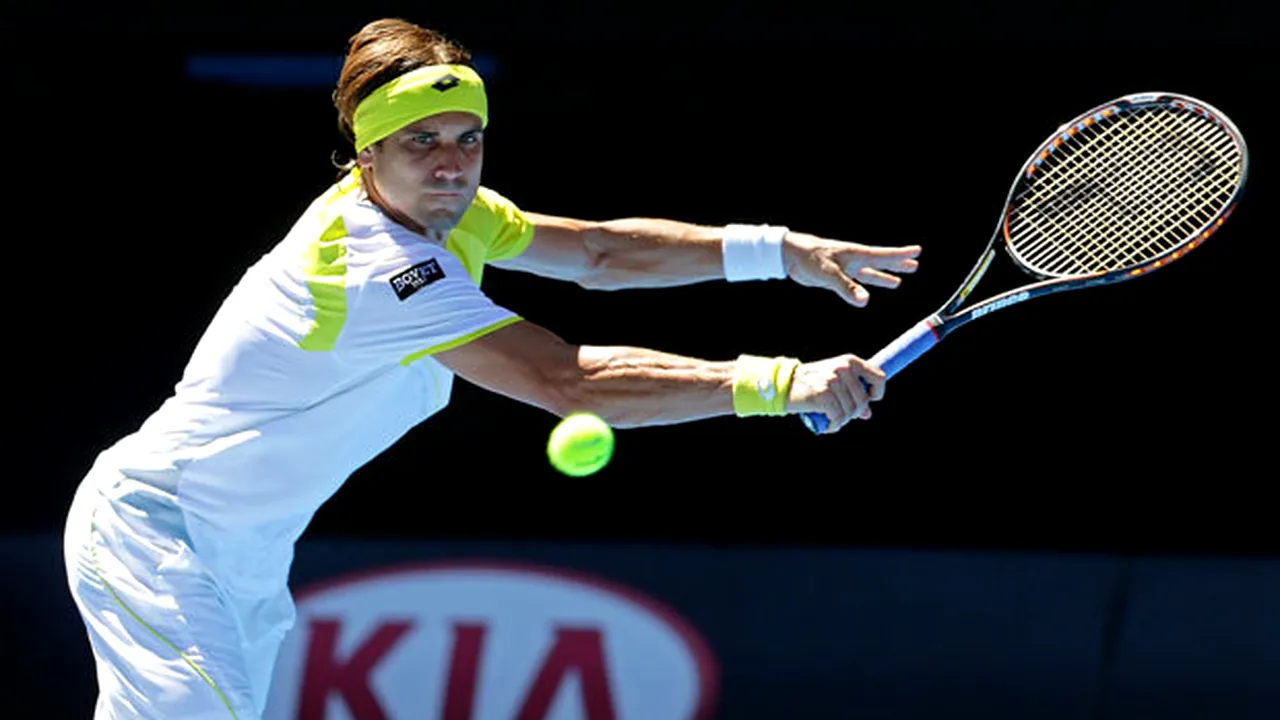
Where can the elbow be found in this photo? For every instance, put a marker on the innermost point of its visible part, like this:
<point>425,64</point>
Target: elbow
<point>594,271</point>
<point>565,390</point>
<point>560,380</point>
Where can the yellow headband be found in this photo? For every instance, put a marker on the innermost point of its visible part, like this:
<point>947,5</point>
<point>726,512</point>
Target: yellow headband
<point>424,92</point>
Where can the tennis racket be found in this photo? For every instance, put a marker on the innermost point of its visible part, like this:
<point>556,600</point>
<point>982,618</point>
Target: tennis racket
<point>1125,188</point>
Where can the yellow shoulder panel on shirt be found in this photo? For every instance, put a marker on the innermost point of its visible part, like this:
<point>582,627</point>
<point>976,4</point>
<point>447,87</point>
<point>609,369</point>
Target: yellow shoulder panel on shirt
<point>324,265</point>
<point>492,229</point>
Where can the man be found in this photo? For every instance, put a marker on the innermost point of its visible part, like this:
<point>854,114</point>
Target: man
<point>348,333</point>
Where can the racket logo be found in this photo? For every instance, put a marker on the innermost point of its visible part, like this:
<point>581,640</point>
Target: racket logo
<point>1093,192</point>
<point>981,310</point>
<point>1174,148</point>
<point>1077,195</point>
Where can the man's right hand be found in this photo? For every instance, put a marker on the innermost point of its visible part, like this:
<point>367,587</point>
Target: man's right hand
<point>835,387</point>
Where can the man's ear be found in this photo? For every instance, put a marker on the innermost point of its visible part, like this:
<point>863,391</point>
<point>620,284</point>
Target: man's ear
<point>365,157</point>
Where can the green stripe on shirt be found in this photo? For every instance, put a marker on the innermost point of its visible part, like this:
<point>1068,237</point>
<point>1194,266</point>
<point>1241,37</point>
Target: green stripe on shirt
<point>408,359</point>
<point>325,267</point>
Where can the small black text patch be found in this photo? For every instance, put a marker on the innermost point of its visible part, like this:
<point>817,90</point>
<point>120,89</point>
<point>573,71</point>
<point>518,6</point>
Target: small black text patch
<point>415,278</point>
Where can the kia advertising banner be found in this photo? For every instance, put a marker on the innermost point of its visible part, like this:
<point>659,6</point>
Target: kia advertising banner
<point>418,630</point>
<point>489,641</point>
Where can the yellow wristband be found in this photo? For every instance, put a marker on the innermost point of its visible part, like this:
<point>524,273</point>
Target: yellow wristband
<point>761,386</point>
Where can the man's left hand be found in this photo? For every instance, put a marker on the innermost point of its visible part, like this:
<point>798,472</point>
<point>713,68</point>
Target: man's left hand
<point>845,267</point>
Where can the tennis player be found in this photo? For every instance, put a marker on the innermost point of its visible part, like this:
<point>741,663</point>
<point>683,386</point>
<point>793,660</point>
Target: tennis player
<point>350,332</point>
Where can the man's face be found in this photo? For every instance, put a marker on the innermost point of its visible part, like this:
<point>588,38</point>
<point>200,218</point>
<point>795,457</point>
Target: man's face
<point>430,170</point>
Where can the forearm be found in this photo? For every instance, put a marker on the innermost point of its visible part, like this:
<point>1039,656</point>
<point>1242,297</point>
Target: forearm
<point>627,386</point>
<point>646,252</point>
<point>631,387</point>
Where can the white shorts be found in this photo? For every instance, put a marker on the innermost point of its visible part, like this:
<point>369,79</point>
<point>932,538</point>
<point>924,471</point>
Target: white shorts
<point>166,641</point>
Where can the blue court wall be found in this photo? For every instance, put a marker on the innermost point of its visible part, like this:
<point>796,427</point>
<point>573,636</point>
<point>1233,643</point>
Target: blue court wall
<point>724,632</point>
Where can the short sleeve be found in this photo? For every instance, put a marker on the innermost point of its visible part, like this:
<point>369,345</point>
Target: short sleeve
<point>505,230</point>
<point>421,304</point>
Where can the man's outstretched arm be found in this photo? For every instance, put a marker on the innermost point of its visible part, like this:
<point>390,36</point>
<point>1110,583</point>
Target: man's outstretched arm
<point>632,387</point>
<point>650,252</point>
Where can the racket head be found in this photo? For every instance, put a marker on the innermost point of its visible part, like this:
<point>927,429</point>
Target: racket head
<point>1124,188</point>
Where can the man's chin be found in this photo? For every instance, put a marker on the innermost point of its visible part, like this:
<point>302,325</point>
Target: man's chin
<point>442,220</point>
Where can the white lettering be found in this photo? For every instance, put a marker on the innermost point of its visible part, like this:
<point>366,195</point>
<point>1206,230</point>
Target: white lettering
<point>1001,303</point>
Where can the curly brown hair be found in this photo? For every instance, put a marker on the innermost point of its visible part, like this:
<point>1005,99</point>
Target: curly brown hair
<point>382,51</point>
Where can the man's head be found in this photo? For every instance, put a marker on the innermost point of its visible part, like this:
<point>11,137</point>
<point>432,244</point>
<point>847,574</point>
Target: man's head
<point>415,110</point>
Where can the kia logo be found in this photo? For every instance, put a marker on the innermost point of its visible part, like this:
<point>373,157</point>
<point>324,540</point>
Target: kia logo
<point>488,641</point>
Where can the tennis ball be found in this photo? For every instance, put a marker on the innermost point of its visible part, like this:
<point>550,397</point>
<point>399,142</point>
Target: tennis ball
<point>580,444</point>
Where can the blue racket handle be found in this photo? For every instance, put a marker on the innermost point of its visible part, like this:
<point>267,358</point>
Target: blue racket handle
<point>895,356</point>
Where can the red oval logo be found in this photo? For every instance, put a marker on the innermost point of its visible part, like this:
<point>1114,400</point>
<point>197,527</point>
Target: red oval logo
<point>489,641</point>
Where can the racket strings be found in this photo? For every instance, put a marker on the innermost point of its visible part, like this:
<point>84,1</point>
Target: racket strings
<point>1175,215</point>
<point>1108,209</point>
<point>1076,195</point>
<point>1117,196</point>
<point>1108,206</point>
<point>1052,247</point>
<point>1123,190</point>
<point>1124,232</point>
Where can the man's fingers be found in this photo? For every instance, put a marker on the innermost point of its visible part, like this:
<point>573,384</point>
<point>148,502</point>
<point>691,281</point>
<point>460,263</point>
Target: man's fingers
<point>874,379</point>
<point>897,259</point>
<point>878,278</point>
<point>863,395</point>
<point>843,388</point>
<point>845,401</point>
<point>859,294</point>
<point>850,290</point>
<point>851,378</point>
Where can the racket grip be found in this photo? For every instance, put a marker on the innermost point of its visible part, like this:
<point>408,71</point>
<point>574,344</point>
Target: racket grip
<point>893,357</point>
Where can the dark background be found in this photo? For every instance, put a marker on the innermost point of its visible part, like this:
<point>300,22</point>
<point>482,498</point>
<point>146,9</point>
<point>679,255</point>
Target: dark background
<point>1128,418</point>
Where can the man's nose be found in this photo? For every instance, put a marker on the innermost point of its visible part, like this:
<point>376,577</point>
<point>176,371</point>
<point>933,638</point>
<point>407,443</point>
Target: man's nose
<point>450,167</point>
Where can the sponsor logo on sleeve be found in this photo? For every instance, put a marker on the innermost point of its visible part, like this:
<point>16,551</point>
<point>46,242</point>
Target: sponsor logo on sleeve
<point>408,282</point>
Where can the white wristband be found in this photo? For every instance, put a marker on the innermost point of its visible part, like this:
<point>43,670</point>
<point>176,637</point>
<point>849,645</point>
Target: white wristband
<point>753,252</point>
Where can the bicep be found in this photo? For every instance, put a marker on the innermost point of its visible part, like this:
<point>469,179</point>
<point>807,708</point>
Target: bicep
<point>522,361</point>
<point>558,249</point>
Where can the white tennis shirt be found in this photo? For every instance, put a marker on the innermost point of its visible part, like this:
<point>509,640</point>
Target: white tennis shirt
<point>318,360</point>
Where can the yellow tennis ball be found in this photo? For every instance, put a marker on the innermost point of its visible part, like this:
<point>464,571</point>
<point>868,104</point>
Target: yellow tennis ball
<point>580,445</point>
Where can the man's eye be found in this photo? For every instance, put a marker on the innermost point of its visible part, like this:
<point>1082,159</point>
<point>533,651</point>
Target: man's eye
<point>424,139</point>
